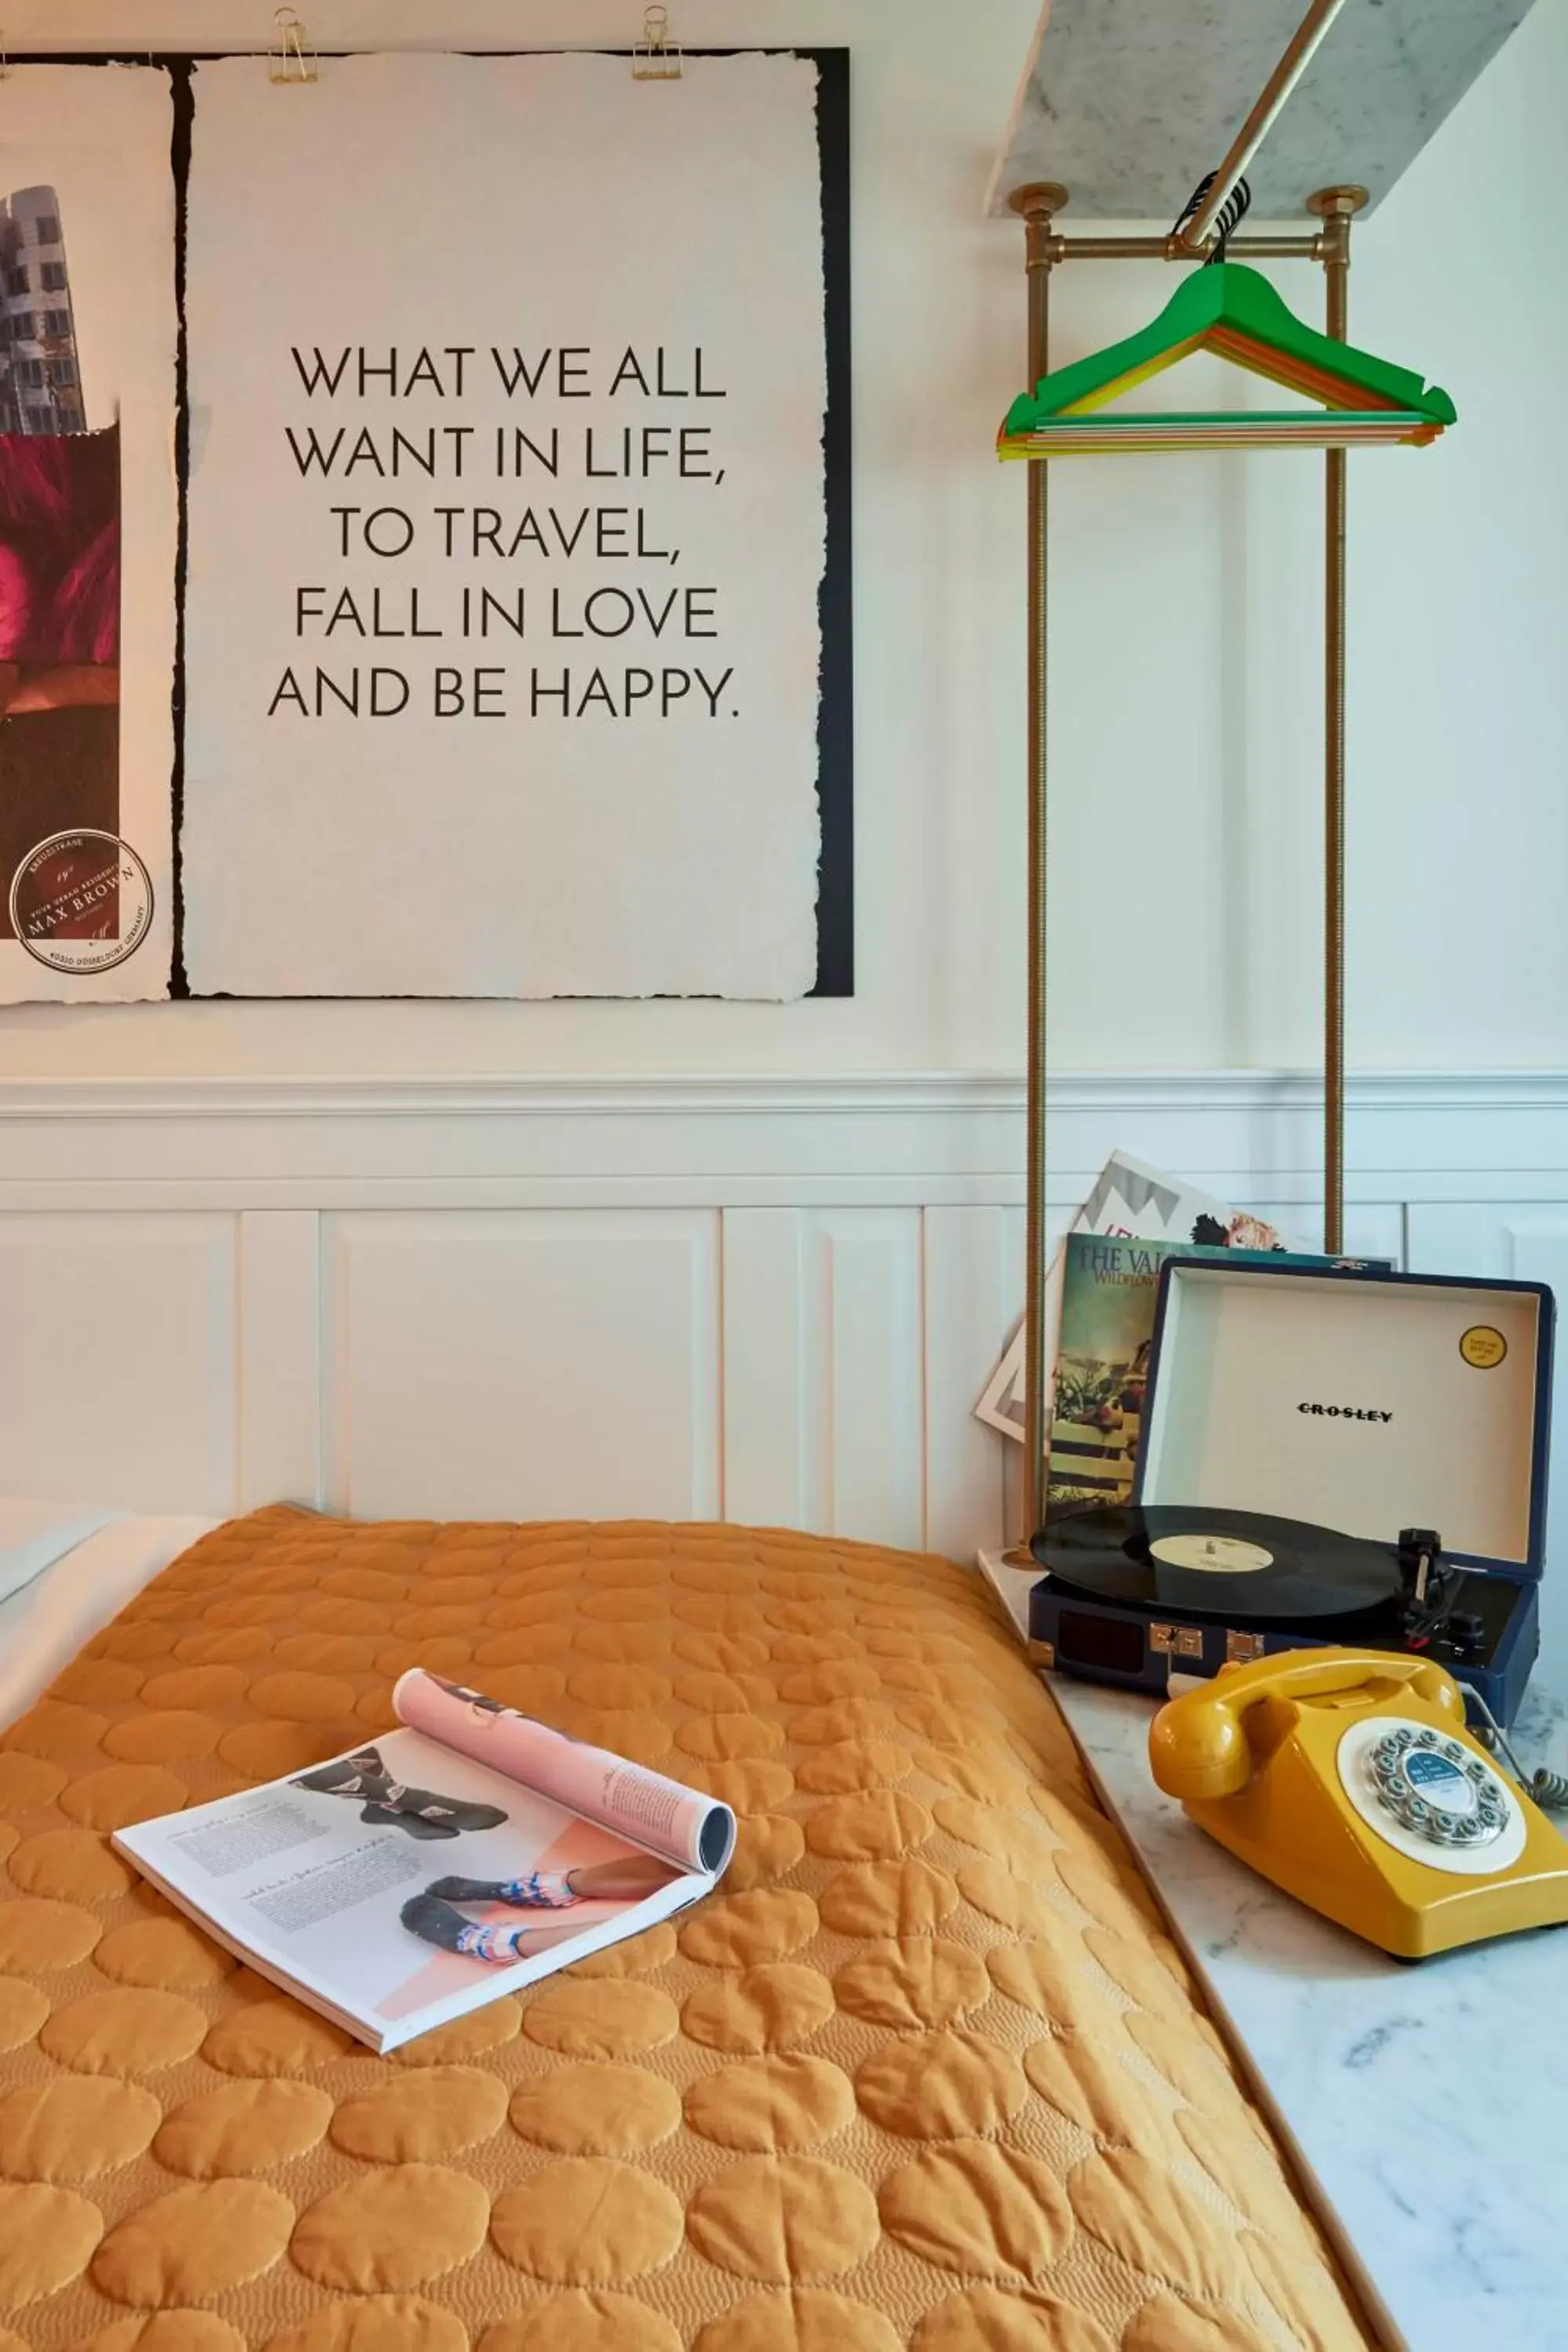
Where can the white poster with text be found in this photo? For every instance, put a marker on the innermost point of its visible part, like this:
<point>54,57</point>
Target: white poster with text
<point>508,382</point>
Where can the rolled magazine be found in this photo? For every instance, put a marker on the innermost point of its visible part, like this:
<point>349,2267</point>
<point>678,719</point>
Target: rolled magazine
<point>629,1799</point>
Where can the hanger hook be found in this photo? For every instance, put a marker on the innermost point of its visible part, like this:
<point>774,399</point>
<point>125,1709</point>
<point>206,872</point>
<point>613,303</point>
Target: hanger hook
<point>1230,214</point>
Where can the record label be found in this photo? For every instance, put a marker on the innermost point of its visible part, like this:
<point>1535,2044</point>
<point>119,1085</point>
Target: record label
<point>1211,1555</point>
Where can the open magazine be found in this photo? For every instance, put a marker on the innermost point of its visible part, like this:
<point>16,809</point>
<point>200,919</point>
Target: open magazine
<point>436,1867</point>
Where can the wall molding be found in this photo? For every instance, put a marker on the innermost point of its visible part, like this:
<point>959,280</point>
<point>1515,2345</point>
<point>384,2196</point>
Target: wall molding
<point>738,1094</point>
<point>949,1139</point>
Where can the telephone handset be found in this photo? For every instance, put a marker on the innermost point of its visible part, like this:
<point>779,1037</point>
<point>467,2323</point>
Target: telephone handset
<point>1349,1778</point>
<point>1198,1747</point>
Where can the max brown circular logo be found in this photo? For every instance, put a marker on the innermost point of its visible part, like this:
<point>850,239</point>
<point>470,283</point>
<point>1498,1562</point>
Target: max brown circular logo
<point>81,901</point>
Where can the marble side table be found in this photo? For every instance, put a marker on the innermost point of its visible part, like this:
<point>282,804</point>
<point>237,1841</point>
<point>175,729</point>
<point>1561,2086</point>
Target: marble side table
<point>1426,2106</point>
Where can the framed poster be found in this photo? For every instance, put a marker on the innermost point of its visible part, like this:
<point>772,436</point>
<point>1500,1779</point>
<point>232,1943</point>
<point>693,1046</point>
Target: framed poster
<point>517,605</point>
<point>88,532</point>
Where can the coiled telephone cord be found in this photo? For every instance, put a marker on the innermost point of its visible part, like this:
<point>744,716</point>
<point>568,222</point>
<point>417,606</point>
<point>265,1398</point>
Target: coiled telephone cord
<point>1547,1790</point>
<point>1550,1791</point>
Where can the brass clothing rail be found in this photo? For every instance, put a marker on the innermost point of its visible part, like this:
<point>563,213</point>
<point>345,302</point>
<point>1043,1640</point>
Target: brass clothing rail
<point>1171,247</point>
<point>1046,249</point>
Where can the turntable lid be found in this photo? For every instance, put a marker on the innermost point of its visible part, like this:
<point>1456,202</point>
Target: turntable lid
<point>1363,1401</point>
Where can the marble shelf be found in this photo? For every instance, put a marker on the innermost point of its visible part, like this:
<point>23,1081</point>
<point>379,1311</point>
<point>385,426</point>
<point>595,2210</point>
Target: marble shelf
<point>1128,105</point>
<point>1427,2106</point>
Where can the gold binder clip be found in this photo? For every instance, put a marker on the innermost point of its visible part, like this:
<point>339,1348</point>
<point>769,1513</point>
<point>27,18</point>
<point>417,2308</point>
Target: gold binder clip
<point>292,59</point>
<point>657,58</point>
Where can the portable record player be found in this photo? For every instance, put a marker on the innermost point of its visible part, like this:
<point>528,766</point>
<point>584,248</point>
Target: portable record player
<point>1327,1457</point>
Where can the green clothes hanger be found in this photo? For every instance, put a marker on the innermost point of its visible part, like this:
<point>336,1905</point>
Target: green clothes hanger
<point>1234,312</point>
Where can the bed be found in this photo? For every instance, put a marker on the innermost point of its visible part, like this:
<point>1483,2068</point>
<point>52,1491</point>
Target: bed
<point>925,2072</point>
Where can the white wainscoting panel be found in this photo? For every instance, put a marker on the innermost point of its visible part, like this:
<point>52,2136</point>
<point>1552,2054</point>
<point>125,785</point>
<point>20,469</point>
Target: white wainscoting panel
<point>279,1379</point>
<point>521,1363</point>
<point>824,1370</point>
<point>974,1283</point>
<point>769,1299</point>
<point>768,1376</point>
<point>863,1319</point>
<point>118,1356</point>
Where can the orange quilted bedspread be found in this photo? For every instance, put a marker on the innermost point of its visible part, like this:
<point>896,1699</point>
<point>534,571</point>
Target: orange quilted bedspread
<point>924,2073</point>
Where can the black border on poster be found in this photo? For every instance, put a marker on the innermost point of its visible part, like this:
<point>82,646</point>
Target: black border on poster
<point>835,602</point>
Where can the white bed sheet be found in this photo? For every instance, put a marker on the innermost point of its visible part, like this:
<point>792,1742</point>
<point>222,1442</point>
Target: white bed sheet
<point>44,1624</point>
<point>35,1531</point>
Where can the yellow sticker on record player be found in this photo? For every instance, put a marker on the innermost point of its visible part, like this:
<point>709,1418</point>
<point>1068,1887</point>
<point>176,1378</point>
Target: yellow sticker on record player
<point>1483,1346</point>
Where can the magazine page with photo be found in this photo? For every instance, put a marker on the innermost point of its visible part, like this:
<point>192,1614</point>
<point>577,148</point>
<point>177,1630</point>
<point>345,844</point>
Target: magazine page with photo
<point>405,1882</point>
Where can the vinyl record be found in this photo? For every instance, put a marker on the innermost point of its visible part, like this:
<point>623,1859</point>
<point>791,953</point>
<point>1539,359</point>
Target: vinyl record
<point>1240,1566</point>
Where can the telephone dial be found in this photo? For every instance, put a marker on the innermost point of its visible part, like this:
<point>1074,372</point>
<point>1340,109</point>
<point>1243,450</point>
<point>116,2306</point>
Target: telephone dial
<point>1349,1778</point>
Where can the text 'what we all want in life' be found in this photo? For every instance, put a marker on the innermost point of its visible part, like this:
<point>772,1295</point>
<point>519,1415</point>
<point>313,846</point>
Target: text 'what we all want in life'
<point>447,536</point>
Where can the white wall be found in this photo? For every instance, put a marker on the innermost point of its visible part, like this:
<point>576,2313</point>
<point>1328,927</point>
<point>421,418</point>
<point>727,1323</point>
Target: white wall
<point>1185,724</point>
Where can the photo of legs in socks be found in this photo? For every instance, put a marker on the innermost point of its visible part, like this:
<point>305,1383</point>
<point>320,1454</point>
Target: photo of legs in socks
<point>421,1812</point>
<point>435,1917</point>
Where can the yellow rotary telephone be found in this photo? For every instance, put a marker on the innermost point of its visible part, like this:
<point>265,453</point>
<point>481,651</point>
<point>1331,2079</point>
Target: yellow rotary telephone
<point>1348,1777</point>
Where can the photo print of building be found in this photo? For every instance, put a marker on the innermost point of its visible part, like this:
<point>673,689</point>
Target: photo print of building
<point>40,376</point>
<point>59,559</point>
<point>59,640</point>
<point>89,532</point>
